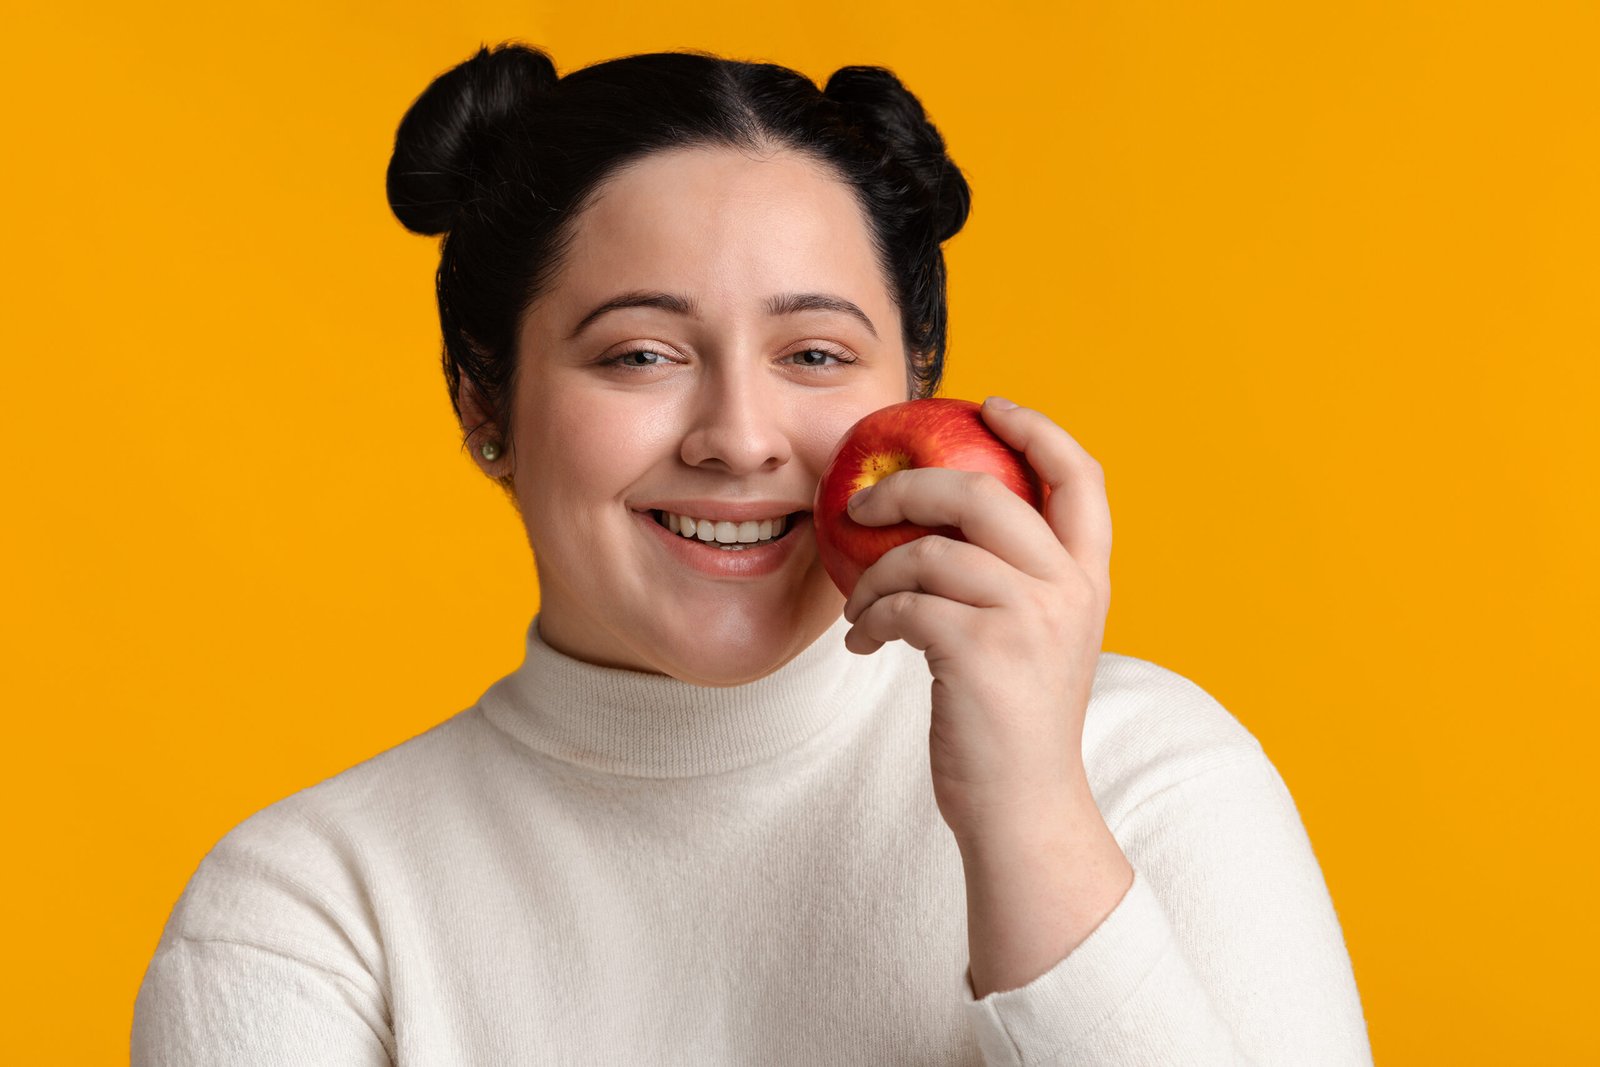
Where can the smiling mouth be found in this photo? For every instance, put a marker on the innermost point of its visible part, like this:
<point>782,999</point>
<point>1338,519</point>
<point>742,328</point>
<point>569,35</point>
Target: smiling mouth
<point>725,536</point>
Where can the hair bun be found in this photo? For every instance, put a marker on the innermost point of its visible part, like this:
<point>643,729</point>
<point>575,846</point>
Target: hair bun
<point>448,137</point>
<point>893,118</point>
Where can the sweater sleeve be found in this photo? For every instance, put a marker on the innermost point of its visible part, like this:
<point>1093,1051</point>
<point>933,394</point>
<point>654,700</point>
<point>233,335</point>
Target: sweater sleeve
<point>262,964</point>
<point>1225,949</point>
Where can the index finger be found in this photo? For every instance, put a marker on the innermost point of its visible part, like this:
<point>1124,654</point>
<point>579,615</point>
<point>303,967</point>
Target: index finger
<point>976,504</point>
<point>1075,507</point>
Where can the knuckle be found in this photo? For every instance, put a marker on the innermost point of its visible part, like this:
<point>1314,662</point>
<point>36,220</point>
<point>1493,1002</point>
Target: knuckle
<point>907,479</point>
<point>1082,590</point>
<point>899,604</point>
<point>979,483</point>
<point>1043,600</point>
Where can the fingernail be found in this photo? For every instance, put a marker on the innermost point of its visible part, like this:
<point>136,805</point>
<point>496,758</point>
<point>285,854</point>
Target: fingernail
<point>857,497</point>
<point>999,402</point>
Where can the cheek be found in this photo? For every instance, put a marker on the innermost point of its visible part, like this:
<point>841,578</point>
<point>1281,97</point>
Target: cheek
<point>822,434</point>
<point>826,424</point>
<point>590,451</point>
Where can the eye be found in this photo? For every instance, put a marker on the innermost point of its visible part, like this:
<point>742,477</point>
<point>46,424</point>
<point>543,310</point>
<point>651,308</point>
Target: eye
<point>802,357</point>
<point>625,359</point>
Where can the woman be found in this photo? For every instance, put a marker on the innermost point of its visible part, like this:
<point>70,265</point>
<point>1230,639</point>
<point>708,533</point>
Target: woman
<point>695,825</point>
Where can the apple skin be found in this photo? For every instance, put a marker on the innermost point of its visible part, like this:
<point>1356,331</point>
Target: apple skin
<point>934,432</point>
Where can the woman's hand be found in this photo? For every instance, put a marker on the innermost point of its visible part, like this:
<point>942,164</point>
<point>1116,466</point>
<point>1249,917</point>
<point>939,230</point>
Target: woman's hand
<point>1011,620</point>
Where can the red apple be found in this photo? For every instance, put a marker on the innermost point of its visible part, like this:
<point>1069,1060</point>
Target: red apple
<point>937,432</point>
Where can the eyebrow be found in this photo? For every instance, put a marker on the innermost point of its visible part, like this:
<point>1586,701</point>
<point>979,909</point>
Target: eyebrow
<point>781,304</point>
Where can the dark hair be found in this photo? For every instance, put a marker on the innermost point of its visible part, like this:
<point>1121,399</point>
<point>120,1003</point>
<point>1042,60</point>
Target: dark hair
<point>500,154</point>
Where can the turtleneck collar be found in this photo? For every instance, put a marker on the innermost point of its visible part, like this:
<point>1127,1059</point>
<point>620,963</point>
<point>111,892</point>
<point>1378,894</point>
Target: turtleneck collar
<point>655,726</point>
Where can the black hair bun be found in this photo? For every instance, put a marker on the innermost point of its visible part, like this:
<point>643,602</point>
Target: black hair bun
<point>892,117</point>
<point>449,136</point>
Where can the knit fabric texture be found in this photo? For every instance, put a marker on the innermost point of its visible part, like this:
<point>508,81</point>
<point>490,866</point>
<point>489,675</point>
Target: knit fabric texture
<point>603,866</point>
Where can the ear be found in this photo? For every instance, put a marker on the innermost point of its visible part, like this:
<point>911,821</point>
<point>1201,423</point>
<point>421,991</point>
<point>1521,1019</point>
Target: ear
<point>476,422</point>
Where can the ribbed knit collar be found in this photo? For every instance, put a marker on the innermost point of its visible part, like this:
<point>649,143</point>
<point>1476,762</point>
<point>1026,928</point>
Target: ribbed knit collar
<point>656,726</point>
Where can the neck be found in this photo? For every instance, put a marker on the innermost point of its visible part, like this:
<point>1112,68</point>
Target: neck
<point>644,724</point>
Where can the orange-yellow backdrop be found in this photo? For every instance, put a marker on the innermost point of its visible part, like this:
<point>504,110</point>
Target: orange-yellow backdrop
<point>1317,283</point>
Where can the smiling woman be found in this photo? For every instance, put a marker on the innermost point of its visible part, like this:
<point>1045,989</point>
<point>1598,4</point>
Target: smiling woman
<point>696,824</point>
<point>719,400</point>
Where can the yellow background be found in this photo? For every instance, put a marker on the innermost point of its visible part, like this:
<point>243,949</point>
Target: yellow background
<point>1317,283</point>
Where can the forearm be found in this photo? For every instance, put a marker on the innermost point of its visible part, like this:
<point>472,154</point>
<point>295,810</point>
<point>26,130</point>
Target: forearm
<point>1037,886</point>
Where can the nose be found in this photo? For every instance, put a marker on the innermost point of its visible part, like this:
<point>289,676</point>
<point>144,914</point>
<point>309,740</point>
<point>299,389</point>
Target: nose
<point>737,422</point>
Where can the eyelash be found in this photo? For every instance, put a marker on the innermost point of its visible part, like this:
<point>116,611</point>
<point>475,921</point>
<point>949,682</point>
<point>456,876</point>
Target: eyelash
<point>843,358</point>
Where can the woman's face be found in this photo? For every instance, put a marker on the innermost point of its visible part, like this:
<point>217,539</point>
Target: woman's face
<point>720,399</point>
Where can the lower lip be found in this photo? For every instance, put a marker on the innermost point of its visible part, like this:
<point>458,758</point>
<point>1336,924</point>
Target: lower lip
<point>752,562</point>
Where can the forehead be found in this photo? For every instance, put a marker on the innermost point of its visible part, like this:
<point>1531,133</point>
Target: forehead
<point>730,226</point>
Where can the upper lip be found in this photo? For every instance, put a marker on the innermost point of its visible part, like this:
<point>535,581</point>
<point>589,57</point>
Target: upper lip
<point>730,510</point>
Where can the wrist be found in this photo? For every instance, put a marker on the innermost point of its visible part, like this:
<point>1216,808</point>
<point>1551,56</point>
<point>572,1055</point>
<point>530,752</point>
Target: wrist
<point>1004,826</point>
<point>1036,889</point>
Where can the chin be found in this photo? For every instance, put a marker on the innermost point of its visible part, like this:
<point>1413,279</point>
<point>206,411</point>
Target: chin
<point>740,647</point>
<point>732,655</point>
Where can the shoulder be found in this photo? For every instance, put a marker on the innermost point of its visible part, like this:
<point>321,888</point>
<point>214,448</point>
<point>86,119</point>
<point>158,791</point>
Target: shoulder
<point>299,871</point>
<point>425,771</point>
<point>276,949</point>
<point>1148,728</point>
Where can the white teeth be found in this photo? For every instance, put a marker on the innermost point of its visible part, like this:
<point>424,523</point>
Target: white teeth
<point>725,532</point>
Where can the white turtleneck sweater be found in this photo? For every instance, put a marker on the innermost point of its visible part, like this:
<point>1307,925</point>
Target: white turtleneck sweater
<point>600,866</point>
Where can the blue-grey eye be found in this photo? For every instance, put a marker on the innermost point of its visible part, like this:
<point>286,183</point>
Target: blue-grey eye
<point>825,353</point>
<point>625,360</point>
